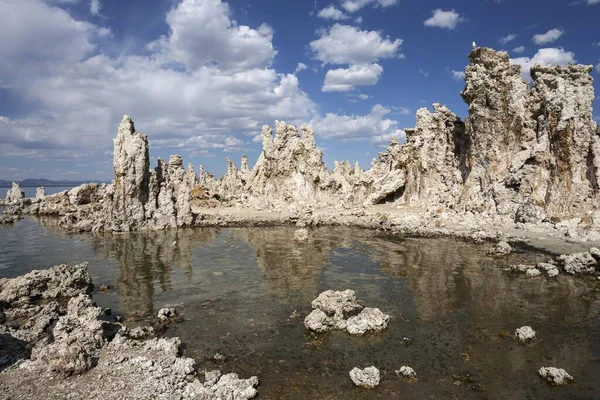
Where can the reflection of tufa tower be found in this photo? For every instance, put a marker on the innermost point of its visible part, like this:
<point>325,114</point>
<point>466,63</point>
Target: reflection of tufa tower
<point>145,259</point>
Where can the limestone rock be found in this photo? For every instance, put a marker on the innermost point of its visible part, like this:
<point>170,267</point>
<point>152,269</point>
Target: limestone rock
<point>366,378</point>
<point>525,334</point>
<point>167,313</point>
<point>318,321</point>
<point>555,376</point>
<point>407,373</point>
<point>502,248</point>
<point>59,281</point>
<point>14,195</point>
<point>301,235</point>
<point>76,339</point>
<point>578,263</point>
<point>83,194</point>
<point>40,193</point>
<point>369,319</point>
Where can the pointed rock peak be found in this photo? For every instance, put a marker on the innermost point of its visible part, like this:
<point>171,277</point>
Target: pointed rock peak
<point>127,125</point>
<point>175,160</point>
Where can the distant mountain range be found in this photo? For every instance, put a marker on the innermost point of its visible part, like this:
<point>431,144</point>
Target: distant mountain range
<point>43,182</point>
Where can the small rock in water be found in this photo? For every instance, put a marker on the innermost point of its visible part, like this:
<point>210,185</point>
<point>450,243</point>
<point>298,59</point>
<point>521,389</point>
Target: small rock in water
<point>301,235</point>
<point>500,249</point>
<point>104,288</point>
<point>107,311</point>
<point>525,334</point>
<point>219,357</point>
<point>407,372</point>
<point>118,318</point>
<point>174,243</point>
<point>369,319</point>
<point>167,313</point>
<point>533,272</point>
<point>555,376</point>
<point>367,378</point>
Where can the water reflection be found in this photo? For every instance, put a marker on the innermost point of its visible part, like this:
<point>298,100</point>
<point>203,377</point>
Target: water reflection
<point>239,287</point>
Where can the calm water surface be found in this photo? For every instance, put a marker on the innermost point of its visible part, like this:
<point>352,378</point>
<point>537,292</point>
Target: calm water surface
<point>239,289</point>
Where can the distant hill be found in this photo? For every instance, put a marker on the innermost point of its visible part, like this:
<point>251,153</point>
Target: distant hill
<point>43,182</point>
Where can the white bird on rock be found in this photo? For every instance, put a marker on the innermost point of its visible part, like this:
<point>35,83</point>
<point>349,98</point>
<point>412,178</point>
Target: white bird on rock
<point>474,45</point>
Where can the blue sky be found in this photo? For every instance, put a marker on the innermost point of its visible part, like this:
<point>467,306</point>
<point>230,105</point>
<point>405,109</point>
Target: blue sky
<point>201,77</point>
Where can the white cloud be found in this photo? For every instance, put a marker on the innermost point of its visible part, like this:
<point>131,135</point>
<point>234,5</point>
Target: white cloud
<point>220,40</point>
<point>344,44</point>
<point>300,67</point>
<point>458,75</point>
<point>548,56</point>
<point>95,7</point>
<point>363,96</point>
<point>77,94</point>
<point>590,2</point>
<point>331,12</point>
<point>374,127</point>
<point>345,79</point>
<point>352,6</point>
<point>551,36</point>
<point>507,38</point>
<point>519,49</point>
<point>444,19</point>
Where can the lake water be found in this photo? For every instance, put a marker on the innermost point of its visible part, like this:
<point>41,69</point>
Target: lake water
<point>239,288</point>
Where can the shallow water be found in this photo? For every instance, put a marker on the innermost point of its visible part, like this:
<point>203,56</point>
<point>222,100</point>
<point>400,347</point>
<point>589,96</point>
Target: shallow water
<point>239,288</point>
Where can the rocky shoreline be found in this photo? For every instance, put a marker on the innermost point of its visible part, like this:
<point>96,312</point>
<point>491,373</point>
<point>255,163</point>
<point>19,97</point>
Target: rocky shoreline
<point>54,343</point>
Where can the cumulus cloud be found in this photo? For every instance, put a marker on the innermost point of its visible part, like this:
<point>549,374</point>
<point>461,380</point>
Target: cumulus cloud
<point>444,19</point>
<point>95,7</point>
<point>519,49</point>
<point>352,6</point>
<point>331,12</point>
<point>374,127</point>
<point>220,41</point>
<point>182,94</point>
<point>346,79</point>
<point>507,38</point>
<point>344,44</point>
<point>548,56</point>
<point>458,75</point>
<point>549,37</point>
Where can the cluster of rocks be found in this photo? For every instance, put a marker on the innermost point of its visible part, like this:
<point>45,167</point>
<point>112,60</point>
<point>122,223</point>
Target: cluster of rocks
<point>340,310</point>
<point>524,155</point>
<point>587,263</point>
<point>49,327</point>
<point>554,376</point>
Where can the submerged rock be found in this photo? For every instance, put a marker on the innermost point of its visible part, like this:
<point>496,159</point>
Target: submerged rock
<point>500,249</point>
<point>218,386</point>
<point>369,319</point>
<point>555,376</point>
<point>166,314</point>
<point>578,263</point>
<point>407,373</point>
<point>525,334</point>
<point>366,378</point>
<point>301,235</point>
